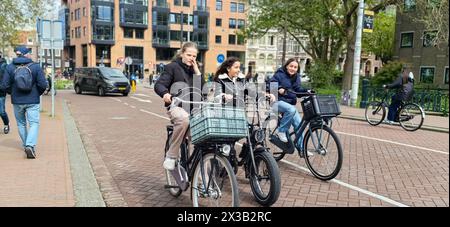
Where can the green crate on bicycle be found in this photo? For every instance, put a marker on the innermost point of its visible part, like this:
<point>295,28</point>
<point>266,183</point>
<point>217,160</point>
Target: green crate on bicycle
<point>216,123</point>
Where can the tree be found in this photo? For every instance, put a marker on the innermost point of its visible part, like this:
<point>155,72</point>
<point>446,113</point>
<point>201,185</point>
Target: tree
<point>17,14</point>
<point>381,41</point>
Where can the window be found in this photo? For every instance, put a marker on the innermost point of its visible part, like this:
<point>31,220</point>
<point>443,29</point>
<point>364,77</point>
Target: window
<point>232,23</point>
<point>57,53</point>
<point>241,7</point>
<point>103,32</point>
<point>175,35</point>
<point>84,12</point>
<point>103,13</point>
<point>219,22</point>
<point>186,3</point>
<point>241,24</point>
<point>57,63</point>
<point>219,5</point>
<point>84,31</point>
<point>427,75</point>
<point>272,40</point>
<point>407,39</point>
<point>240,40</point>
<point>128,33</point>
<point>446,75</point>
<point>409,5</point>
<point>232,39</point>
<point>233,7</point>
<point>218,39</point>
<point>177,2</point>
<point>139,33</point>
<point>429,38</point>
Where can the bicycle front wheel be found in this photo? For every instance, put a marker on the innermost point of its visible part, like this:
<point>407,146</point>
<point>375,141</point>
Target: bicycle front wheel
<point>214,183</point>
<point>375,113</point>
<point>323,152</point>
<point>411,117</point>
<point>266,182</point>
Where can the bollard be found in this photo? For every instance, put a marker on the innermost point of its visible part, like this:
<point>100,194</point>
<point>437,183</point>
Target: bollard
<point>365,94</point>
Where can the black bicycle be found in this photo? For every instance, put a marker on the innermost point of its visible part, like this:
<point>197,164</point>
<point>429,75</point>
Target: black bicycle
<point>259,165</point>
<point>314,140</point>
<point>207,168</point>
<point>409,115</point>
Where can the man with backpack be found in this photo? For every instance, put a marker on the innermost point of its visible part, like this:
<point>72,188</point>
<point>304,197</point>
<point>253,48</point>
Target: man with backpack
<point>3,113</point>
<point>26,82</point>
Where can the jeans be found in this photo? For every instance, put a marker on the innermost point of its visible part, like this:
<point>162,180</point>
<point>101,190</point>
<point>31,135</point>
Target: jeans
<point>3,113</point>
<point>395,104</point>
<point>290,116</point>
<point>30,113</point>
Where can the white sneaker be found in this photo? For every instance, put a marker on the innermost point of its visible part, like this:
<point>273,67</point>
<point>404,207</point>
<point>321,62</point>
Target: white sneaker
<point>282,137</point>
<point>389,122</point>
<point>169,163</point>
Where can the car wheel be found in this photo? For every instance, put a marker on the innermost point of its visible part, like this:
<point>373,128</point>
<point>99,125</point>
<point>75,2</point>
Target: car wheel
<point>78,89</point>
<point>101,91</point>
<point>125,93</point>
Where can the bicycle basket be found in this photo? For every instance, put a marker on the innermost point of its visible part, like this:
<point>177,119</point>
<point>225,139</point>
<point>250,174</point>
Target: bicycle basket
<point>215,124</point>
<point>320,106</point>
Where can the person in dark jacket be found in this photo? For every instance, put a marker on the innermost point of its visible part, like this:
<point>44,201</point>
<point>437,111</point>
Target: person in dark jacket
<point>229,83</point>
<point>286,78</point>
<point>3,113</point>
<point>26,104</point>
<point>405,89</point>
<point>183,72</point>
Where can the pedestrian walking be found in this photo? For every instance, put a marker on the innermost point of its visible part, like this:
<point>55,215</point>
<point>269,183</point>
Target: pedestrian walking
<point>26,81</point>
<point>3,113</point>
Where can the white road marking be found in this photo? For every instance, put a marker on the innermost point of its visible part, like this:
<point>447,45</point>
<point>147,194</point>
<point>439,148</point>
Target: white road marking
<point>116,99</point>
<point>142,95</point>
<point>157,115</point>
<point>352,187</point>
<point>141,100</point>
<point>393,142</point>
<point>126,104</point>
<point>133,107</point>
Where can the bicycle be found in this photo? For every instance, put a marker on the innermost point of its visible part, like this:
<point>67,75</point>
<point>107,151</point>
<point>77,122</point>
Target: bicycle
<point>207,169</point>
<point>318,112</point>
<point>259,165</point>
<point>409,115</point>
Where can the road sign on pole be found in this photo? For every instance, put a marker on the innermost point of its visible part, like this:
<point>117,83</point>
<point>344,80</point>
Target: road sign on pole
<point>368,21</point>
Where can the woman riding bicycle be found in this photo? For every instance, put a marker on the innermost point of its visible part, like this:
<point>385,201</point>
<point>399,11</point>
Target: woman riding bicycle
<point>229,82</point>
<point>405,89</point>
<point>286,78</point>
<point>182,72</point>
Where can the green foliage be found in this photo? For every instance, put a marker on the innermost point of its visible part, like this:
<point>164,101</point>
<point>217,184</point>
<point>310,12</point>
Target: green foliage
<point>323,75</point>
<point>63,84</point>
<point>387,74</point>
<point>381,41</point>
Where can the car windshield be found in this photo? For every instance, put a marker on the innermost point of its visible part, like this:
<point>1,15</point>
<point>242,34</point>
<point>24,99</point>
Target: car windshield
<point>112,73</point>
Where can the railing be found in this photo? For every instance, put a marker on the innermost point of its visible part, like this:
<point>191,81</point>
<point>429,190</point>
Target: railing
<point>159,41</point>
<point>432,100</point>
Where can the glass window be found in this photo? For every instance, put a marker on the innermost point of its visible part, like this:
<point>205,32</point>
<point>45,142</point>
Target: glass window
<point>232,39</point>
<point>175,35</point>
<point>128,33</point>
<point>407,39</point>
<point>177,2</point>
<point>446,75</point>
<point>233,7</point>
<point>427,75</point>
<point>219,22</point>
<point>219,5</point>
<point>57,53</point>
<point>240,40</point>
<point>103,13</point>
<point>186,2</point>
<point>218,39</point>
<point>241,24</point>
<point>241,7</point>
<point>103,32</point>
<point>232,23</point>
<point>429,38</point>
<point>139,33</point>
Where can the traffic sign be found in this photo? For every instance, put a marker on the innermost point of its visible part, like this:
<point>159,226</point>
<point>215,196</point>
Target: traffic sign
<point>128,61</point>
<point>220,58</point>
<point>368,21</point>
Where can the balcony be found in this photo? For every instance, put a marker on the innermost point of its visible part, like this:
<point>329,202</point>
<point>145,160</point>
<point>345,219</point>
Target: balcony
<point>161,6</point>
<point>157,42</point>
<point>202,45</point>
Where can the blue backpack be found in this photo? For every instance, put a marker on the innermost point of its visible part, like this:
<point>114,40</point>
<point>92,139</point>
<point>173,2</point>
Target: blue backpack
<point>23,78</point>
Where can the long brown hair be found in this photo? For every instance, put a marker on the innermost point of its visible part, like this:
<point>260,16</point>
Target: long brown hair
<point>223,68</point>
<point>184,48</point>
<point>289,61</point>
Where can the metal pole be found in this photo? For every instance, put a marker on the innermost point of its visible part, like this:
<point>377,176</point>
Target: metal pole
<point>53,78</point>
<point>357,56</point>
<point>182,35</point>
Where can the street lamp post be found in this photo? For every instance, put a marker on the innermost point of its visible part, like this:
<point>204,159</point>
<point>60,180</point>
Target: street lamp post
<point>357,56</point>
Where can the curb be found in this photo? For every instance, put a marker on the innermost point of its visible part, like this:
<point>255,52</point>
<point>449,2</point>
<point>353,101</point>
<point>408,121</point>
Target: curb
<point>85,187</point>
<point>424,127</point>
<point>107,187</point>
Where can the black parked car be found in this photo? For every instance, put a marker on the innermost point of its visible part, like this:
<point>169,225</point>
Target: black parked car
<point>101,80</point>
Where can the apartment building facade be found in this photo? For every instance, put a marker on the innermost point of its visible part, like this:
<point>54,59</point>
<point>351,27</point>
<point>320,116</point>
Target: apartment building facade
<point>105,32</point>
<point>413,45</point>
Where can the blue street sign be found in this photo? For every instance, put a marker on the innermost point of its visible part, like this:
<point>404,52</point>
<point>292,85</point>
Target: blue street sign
<point>220,58</point>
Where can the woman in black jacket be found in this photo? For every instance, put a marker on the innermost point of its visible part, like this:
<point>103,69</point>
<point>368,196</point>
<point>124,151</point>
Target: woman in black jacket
<point>229,83</point>
<point>181,73</point>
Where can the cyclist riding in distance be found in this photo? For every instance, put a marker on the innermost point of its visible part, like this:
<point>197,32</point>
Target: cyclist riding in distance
<point>405,89</point>
<point>183,70</point>
<point>286,78</point>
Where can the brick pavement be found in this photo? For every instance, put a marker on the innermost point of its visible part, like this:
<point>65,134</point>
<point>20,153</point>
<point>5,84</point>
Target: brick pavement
<point>45,181</point>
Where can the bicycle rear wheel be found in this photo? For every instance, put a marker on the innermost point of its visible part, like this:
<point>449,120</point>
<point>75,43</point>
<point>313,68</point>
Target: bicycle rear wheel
<point>214,183</point>
<point>375,113</point>
<point>411,117</point>
<point>266,182</point>
<point>323,152</point>
<point>270,125</point>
